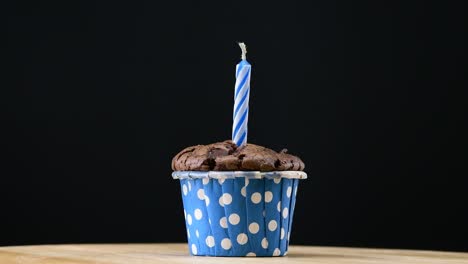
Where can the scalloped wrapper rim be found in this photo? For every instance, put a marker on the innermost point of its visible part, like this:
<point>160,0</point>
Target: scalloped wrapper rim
<point>239,174</point>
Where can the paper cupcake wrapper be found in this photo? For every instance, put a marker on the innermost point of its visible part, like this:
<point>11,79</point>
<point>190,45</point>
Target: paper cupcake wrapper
<point>228,214</point>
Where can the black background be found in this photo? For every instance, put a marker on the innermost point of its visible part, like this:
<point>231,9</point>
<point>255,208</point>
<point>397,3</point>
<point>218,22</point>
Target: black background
<point>98,97</point>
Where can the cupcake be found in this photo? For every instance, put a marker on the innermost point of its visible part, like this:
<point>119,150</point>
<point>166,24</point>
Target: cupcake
<point>238,201</point>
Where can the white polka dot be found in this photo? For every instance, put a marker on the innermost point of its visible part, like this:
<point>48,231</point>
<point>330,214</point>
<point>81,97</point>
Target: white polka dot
<point>264,243</point>
<point>223,222</point>
<point>244,191</point>
<point>242,239</point>
<point>247,181</point>
<point>210,242</point>
<point>285,212</point>
<point>279,206</point>
<point>206,181</point>
<point>201,194</point>
<point>197,234</point>
<point>282,233</point>
<point>194,249</point>
<point>256,198</point>
<point>189,219</point>
<point>207,200</point>
<point>272,225</point>
<point>198,214</point>
<point>288,192</point>
<point>277,180</point>
<point>234,219</point>
<point>184,189</point>
<point>251,254</point>
<point>189,186</point>
<point>225,199</point>
<point>226,243</point>
<point>188,233</point>
<point>253,228</point>
<point>276,252</point>
<point>185,214</point>
<point>268,196</point>
<point>221,181</point>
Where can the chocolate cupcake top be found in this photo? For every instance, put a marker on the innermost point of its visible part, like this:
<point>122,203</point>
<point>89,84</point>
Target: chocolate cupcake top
<point>227,156</point>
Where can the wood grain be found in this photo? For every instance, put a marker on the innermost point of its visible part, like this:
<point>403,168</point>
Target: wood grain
<point>178,253</point>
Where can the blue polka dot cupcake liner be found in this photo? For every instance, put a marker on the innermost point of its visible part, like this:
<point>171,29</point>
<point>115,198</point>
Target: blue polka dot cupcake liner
<point>239,213</point>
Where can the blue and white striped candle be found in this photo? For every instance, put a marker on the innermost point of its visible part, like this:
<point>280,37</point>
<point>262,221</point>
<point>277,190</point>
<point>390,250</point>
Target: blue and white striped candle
<point>241,100</point>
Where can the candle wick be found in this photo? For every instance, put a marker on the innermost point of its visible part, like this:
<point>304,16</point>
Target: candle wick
<point>244,50</point>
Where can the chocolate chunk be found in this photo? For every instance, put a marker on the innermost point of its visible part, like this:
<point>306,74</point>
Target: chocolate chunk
<point>227,163</point>
<point>226,156</point>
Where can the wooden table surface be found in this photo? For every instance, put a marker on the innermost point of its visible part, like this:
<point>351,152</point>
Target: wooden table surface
<point>178,253</point>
